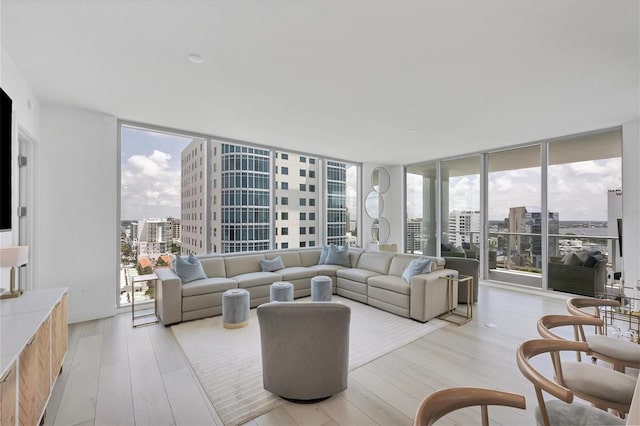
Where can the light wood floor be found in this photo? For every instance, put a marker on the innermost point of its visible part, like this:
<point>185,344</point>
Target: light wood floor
<point>117,375</point>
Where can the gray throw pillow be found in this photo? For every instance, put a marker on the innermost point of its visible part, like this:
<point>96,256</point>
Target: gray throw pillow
<point>593,260</point>
<point>338,255</point>
<point>416,267</point>
<point>323,255</point>
<point>573,260</point>
<point>271,265</point>
<point>189,269</point>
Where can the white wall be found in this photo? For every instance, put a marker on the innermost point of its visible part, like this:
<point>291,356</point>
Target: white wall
<point>78,238</point>
<point>26,117</point>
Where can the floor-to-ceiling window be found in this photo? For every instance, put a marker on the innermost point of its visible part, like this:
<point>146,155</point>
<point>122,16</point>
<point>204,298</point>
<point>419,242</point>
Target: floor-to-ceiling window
<point>514,215</point>
<point>421,221</point>
<point>460,212</point>
<point>152,202</point>
<point>585,202</point>
<point>183,194</point>
<point>341,202</point>
<point>542,210</point>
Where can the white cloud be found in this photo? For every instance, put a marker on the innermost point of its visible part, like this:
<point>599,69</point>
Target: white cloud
<point>150,187</point>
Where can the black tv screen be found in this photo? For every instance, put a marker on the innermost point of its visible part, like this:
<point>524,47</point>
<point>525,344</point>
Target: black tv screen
<point>5,161</point>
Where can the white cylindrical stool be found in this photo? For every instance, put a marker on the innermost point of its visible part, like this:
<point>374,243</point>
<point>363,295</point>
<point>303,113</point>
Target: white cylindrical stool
<point>321,289</point>
<point>281,291</point>
<point>235,308</point>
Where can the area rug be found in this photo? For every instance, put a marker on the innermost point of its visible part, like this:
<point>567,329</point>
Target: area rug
<point>228,363</point>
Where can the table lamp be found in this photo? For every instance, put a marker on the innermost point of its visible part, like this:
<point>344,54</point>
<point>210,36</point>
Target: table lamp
<point>13,257</point>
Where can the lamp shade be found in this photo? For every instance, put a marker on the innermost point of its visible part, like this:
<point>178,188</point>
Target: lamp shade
<point>13,256</point>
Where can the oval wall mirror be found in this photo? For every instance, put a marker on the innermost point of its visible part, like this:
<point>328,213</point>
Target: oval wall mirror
<point>380,180</point>
<point>384,230</point>
<point>375,231</point>
<point>373,205</point>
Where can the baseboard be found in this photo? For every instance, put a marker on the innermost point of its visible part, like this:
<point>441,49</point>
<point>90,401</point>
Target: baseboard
<point>93,314</point>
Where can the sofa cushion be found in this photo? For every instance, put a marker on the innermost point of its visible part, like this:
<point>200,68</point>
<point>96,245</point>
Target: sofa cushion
<point>242,264</point>
<point>391,283</point>
<point>289,258</point>
<point>416,267</point>
<point>375,261</point>
<point>208,285</point>
<point>270,265</point>
<point>309,257</point>
<point>297,273</point>
<point>213,266</point>
<point>338,255</point>
<point>329,270</point>
<point>253,279</point>
<point>356,274</point>
<point>189,269</point>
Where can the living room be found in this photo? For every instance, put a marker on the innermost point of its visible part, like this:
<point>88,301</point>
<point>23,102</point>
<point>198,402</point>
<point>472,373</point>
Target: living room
<point>400,84</point>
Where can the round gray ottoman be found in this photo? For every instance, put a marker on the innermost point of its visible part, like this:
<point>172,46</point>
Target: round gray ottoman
<point>235,308</point>
<point>321,289</point>
<point>281,291</point>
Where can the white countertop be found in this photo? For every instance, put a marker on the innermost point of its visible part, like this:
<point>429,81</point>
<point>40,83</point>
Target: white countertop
<point>20,318</point>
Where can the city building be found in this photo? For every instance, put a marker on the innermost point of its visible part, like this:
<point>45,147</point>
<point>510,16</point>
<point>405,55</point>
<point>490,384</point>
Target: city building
<point>413,241</point>
<point>154,237</point>
<point>464,228</point>
<point>237,188</point>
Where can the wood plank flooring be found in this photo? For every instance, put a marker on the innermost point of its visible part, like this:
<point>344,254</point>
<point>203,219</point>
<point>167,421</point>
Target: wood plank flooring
<point>117,375</point>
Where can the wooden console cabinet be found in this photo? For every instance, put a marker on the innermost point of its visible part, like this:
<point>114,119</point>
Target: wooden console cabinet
<point>33,333</point>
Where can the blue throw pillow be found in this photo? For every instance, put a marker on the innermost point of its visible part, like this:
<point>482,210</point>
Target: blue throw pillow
<point>338,255</point>
<point>271,265</point>
<point>323,255</point>
<point>189,269</point>
<point>416,267</point>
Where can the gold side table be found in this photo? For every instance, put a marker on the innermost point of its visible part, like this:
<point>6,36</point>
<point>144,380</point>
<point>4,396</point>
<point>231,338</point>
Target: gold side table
<point>451,315</point>
<point>145,318</point>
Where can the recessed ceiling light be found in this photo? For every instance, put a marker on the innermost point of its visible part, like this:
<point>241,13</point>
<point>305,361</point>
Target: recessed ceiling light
<point>195,58</point>
<point>413,130</point>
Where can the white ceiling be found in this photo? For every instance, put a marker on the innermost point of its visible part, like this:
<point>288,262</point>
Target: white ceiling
<point>391,82</point>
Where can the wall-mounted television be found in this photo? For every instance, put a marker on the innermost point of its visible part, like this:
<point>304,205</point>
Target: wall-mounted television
<point>6,161</point>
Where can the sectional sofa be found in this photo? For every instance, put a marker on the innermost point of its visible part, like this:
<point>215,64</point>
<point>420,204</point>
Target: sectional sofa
<point>373,277</point>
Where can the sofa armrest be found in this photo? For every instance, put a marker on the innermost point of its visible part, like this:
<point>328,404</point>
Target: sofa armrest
<point>429,295</point>
<point>465,266</point>
<point>168,296</point>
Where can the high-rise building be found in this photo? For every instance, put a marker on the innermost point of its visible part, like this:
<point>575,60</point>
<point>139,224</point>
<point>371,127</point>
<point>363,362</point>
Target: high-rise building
<point>237,189</point>
<point>464,227</point>
<point>192,206</point>
<point>153,237</point>
<point>413,241</point>
<point>526,250</point>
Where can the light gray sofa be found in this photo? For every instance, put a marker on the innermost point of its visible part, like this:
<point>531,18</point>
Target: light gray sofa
<point>374,278</point>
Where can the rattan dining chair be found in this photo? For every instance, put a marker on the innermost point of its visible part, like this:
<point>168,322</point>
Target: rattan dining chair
<point>444,401</point>
<point>562,410</point>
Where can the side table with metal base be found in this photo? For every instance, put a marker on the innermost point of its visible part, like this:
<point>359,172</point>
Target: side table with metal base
<point>451,315</point>
<point>145,317</point>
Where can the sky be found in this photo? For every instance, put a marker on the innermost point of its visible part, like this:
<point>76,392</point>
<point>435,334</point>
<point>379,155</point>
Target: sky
<point>150,174</point>
<point>150,164</point>
<point>150,179</point>
<point>577,191</point>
